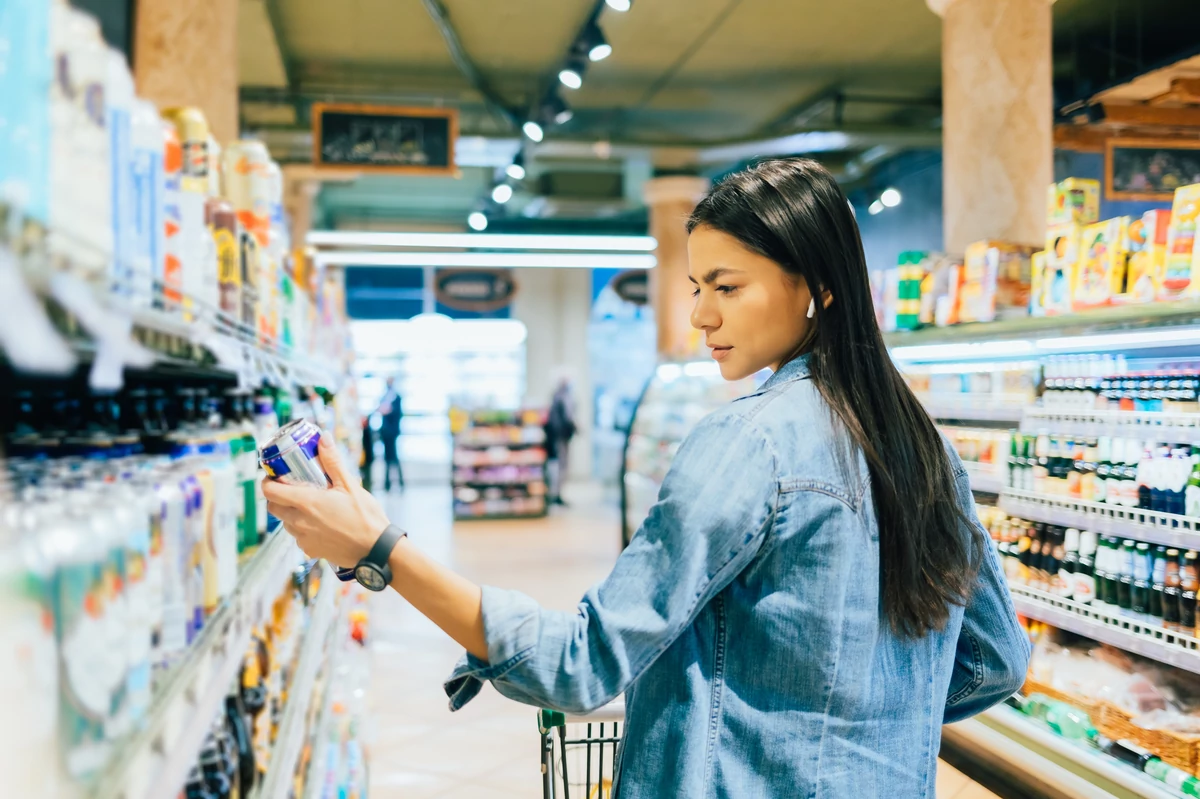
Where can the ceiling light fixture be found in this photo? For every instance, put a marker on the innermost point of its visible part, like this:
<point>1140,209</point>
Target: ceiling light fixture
<point>490,241</point>
<point>595,44</point>
<point>502,193</point>
<point>890,197</point>
<point>516,170</point>
<point>477,220</point>
<point>572,73</point>
<point>490,260</point>
<point>875,207</point>
<point>533,131</point>
<point>619,5</point>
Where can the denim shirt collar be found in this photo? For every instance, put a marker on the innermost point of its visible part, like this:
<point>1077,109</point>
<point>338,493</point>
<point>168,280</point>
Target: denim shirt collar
<point>795,369</point>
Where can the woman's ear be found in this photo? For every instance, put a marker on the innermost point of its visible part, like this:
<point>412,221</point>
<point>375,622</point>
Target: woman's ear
<point>826,299</point>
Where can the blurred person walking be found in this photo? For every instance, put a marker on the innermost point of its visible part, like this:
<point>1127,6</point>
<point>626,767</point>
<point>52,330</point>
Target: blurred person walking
<point>560,429</point>
<point>368,452</point>
<point>391,412</point>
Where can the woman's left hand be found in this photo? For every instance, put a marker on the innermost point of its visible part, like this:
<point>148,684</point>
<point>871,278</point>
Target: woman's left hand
<point>340,523</point>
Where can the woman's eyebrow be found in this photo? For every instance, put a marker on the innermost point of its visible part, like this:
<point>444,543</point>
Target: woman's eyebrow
<point>713,274</point>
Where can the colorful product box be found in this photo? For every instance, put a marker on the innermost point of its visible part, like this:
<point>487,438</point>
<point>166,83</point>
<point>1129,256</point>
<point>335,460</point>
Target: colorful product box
<point>1074,200</point>
<point>1181,271</point>
<point>1100,272</point>
<point>1037,283</point>
<point>1147,256</point>
<point>1062,257</point>
<point>996,283</point>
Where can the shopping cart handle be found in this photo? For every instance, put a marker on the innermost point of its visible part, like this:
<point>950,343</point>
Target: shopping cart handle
<point>549,719</point>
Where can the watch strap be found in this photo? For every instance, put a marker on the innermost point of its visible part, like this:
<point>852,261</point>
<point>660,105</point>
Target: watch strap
<point>382,551</point>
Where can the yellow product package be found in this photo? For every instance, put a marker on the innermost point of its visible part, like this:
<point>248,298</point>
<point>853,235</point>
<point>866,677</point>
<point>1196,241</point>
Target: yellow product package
<point>1100,274</point>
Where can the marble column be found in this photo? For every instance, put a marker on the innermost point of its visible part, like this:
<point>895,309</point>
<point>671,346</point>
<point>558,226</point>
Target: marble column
<point>997,106</point>
<point>671,200</point>
<point>186,54</point>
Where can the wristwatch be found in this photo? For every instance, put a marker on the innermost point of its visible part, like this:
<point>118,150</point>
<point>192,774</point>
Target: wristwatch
<point>373,572</point>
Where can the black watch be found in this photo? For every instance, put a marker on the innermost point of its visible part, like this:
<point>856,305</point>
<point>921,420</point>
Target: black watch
<point>373,571</point>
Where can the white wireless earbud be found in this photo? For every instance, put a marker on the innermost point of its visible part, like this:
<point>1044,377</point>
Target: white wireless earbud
<point>812,308</point>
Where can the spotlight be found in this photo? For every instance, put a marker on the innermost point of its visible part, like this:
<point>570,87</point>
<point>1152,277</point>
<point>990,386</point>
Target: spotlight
<point>502,193</point>
<point>556,108</point>
<point>595,44</point>
<point>533,130</point>
<point>477,220</point>
<point>619,5</point>
<point>890,198</point>
<point>875,207</point>
<point>516,170</point>
<point>572,73</point>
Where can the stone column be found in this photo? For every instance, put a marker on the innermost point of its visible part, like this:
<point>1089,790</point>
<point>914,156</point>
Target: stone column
<point>186,54</point>
<point>671,200</point>
<point>997,106</point>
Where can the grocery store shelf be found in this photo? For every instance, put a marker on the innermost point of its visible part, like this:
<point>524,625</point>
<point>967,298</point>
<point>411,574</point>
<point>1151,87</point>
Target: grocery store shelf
<point>1132,317</point>
<point>985,477</point>
<point>277,783</point>
<point>971,409</point>
<point>1168,427</point>
<point>1148,639</point>
<point>1029,751</point>
<point>155,762</point>
<point>1168,529</point>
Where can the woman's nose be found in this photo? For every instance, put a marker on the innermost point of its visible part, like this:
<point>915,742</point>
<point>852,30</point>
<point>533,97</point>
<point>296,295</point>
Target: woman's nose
<point>703,314</point>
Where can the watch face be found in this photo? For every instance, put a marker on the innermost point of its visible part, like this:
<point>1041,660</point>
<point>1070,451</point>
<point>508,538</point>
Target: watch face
<point>370,577</point>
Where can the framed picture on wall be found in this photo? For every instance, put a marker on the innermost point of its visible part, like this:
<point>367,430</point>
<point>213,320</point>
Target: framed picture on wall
<point>1149,169</point>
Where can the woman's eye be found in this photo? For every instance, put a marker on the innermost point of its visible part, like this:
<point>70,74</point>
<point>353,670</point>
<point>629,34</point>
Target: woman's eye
<point>695,292</point>
<point>727,289</point>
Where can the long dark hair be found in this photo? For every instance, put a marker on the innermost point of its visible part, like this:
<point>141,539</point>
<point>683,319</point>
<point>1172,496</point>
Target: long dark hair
<point>793,212</point>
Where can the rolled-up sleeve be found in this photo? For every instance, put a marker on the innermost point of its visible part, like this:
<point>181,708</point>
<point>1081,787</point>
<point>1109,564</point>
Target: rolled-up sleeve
<point>715,508</point>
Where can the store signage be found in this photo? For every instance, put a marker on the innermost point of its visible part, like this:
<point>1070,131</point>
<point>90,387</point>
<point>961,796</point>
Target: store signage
<point>479,290</point>
<point>376,138</point>
<point>633,286</point>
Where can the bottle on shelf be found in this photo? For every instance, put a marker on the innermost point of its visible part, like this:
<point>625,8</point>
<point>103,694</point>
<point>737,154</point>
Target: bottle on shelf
<point>1189,581</point>
<point>1069,566</point>
<point>1158,576</point>
<point>1084,580</point>
<point>1142,569</point>
<point>1171,590</point>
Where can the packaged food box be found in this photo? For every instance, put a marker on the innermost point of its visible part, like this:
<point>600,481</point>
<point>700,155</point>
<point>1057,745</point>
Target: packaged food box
<point>1147,255</point>
<point>1073,200</point>
<point>996,281</point>
<point>1181,270</point>
<point>1100,272</point>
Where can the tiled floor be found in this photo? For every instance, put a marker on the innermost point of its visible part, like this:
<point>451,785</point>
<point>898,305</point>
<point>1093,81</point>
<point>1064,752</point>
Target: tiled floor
<point>419,750</point>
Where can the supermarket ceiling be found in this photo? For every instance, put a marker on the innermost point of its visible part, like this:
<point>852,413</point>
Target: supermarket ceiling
<point>687,82</point>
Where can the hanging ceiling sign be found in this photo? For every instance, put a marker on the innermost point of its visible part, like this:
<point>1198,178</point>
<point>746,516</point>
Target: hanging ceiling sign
<point>633,286</point>
<point>376,138</point>
<point>479,290</point>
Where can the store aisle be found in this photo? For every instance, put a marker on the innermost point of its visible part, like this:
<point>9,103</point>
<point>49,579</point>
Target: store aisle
<point>490,748</point>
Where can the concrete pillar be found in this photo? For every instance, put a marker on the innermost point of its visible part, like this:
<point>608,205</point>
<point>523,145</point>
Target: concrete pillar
<point>555,307</point>
<point>671,200</point>
<point>186,54</point>
<point>997,106</point>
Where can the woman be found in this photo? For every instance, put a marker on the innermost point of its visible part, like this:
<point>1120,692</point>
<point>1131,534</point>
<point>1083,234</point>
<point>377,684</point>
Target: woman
<point>812,596</point>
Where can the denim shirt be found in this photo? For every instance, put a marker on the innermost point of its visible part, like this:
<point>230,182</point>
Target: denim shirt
<point>743,624</point>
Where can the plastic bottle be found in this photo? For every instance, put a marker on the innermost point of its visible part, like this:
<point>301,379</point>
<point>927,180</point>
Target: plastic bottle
<point>149,234</point>
<point>119,103</point>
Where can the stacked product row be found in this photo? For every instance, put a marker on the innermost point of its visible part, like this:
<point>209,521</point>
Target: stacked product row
<point>499,463</point>
<point>147,209</point>
<point>129,521</point>
<point>1086,264</point>
<point>1144,582</point>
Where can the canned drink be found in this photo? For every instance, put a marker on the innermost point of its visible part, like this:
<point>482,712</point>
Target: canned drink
<point>192,127</point>
<point>222,226</point>
<point>245,164</point>
<point>290,455</point>
<point>170,276</point>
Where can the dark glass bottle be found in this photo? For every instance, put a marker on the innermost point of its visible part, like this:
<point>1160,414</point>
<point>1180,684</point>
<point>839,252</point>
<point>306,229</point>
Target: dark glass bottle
<point>1171,591</point>
<point>1128,552</point>
<point>1158,575</point>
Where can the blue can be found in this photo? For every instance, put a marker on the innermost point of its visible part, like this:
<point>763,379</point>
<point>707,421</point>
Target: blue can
<point>290,456</point>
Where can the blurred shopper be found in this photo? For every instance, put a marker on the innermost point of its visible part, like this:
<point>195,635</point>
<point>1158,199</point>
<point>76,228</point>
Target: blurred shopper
<point>811,598</point>
<point>368,452</point>
<point>391,412</point>
<point>560,429</point>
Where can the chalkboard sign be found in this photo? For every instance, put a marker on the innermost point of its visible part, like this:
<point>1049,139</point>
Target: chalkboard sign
<point>379,138</point>
<point>1149,169</point>
<point>474,289</point>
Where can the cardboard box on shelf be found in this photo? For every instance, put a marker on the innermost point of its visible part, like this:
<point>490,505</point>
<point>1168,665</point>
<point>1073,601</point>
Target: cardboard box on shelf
<point>1147,255</point>
<point>1062,258</point>
<point>1181,272</point>
<point>1073,200</point>
<point>996,282</point>
<point>1100,273</point>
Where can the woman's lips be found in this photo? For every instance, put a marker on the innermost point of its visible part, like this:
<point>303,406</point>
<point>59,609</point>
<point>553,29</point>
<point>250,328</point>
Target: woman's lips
<point>720,353</point>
